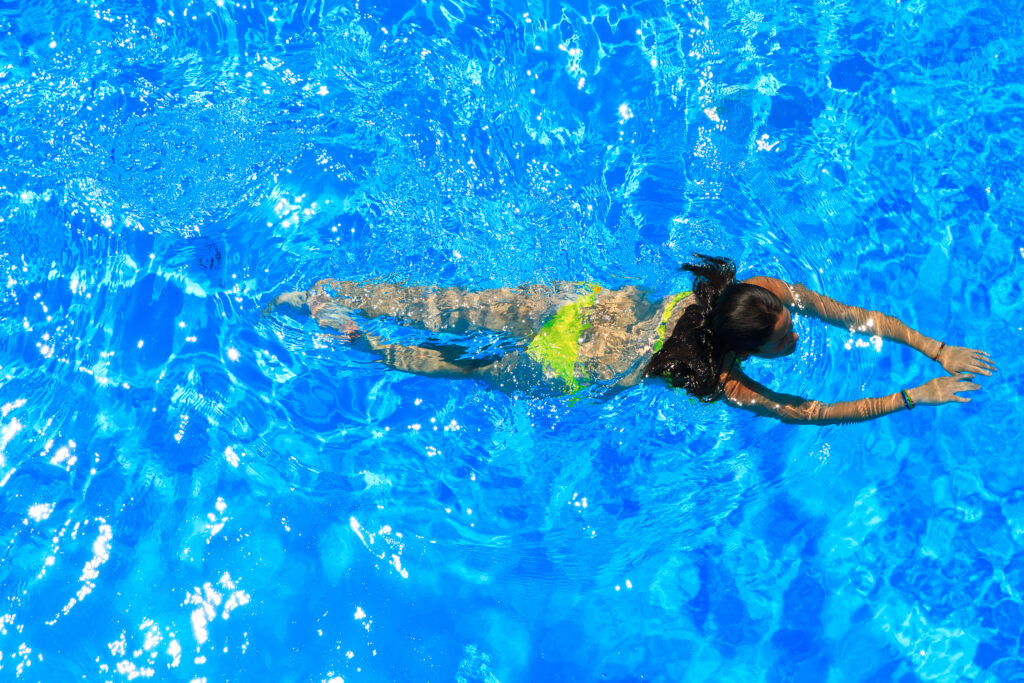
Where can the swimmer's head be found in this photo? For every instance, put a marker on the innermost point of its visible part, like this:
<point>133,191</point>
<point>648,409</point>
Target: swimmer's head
<point>751,321</point>
<point>728,316</point>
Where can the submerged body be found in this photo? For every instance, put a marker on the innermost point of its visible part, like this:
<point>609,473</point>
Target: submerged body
<point>618,328</point>
<point>573,334</point>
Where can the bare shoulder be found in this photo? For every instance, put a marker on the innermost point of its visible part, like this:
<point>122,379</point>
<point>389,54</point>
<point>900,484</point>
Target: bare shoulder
<point>774,285</point>
<point>737,387</point>
<point>739,390</point>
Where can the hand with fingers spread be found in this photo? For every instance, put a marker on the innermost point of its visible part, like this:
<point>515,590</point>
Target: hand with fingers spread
<point>944,390</point>
<point>956,359</point>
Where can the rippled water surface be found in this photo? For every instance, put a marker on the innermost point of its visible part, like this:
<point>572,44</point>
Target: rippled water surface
<point>192,491</point>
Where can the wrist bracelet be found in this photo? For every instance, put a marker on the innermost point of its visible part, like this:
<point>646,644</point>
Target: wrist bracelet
<point>938,353</point>
<point>906,399</point>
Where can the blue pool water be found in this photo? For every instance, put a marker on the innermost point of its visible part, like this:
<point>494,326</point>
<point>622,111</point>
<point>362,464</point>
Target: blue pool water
<point>191,491</point>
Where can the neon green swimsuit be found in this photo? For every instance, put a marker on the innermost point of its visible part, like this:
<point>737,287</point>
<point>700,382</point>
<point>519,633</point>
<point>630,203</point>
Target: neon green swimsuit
<point>557,345</point>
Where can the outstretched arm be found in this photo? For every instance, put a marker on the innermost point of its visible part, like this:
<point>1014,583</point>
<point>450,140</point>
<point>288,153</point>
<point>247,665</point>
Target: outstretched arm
<point>743,392</point>
<point>954,359</point>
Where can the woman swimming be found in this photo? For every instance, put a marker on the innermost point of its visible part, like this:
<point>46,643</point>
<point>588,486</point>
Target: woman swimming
<point>572,335</point>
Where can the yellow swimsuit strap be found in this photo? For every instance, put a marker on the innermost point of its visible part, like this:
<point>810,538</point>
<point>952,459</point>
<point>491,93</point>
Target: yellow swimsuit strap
<point>666,314</point>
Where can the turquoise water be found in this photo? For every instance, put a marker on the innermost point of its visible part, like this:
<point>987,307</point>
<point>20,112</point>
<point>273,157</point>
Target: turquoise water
<point>190,491</point>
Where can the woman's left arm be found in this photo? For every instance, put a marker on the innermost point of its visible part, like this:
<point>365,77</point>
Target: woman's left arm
<point>954,359</point>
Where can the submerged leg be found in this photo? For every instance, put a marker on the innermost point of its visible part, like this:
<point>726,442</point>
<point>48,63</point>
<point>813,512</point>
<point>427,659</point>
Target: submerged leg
<point>328,314</point>
<point>513,372</point>
<point>424,360</point>
<point>519,311</point>
<point>293,300</point>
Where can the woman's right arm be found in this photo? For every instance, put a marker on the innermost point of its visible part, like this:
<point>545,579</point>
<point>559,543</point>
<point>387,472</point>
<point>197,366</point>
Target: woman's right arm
<point>741,391</point>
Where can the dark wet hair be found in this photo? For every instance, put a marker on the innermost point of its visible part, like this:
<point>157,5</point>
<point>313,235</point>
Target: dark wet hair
<point>728,316</point>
